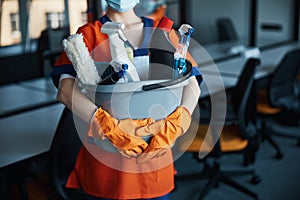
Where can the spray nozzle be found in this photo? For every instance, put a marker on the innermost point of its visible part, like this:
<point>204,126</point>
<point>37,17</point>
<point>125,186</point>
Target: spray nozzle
<point>186,29</point>
<point>189,32</point>
<point>125,67</point>
<point>112,27</point>
<point>119,68</point>
<point>122,72</point>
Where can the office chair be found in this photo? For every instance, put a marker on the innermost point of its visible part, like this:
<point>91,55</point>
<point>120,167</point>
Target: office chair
<point>50,45</point>
<point>238,138</point>
<point>63,152</point>
<point>205,106</point>
<point>278,105</point>
<point>226,30</point>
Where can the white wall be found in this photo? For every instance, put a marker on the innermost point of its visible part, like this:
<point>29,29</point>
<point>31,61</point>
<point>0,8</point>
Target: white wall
<point>279,12</point>
<point>203,16</point>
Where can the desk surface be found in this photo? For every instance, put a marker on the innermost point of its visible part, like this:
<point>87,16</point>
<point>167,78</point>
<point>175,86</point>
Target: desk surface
<point>214,84</point>
<point>40,84</point>
<point>15,98</point>
<point>269,60</point>
<point>29,114</point>
<point>28,134</point>
<point>216,52</point>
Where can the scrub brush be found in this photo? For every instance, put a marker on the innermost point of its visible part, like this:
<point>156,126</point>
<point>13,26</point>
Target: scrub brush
<point>83,63</point>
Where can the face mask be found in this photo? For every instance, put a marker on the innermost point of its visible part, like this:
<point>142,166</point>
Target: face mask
<point>122,5</point>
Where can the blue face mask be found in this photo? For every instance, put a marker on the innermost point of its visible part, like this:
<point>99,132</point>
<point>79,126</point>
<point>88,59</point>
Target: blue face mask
<point>122,5</point>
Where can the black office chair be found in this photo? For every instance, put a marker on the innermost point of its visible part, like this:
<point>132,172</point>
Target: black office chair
<point>49,45</point>
<point>226,29</point>
<point>205,106</point>
<point>278,105</point>
<point>64,149</point>
<point>238,138</point>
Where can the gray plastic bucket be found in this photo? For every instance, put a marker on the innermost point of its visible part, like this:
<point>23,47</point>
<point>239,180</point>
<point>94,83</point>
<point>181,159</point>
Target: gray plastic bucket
<point>136,100</point>
<point>129,100</point>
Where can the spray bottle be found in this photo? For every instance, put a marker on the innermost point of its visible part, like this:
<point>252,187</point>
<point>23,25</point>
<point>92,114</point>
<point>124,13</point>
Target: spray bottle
<point>185,31</point>
<point>119,76</point>
<point>117,48</point>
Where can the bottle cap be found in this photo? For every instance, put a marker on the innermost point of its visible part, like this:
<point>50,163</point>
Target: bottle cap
<point>124,66</point>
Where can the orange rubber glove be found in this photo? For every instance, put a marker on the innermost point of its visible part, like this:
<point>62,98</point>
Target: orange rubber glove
<point>165,133</point>
<point>119,132</point>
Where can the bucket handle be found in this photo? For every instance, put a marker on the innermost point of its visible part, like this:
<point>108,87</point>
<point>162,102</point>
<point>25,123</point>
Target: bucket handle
<point>175,81</point>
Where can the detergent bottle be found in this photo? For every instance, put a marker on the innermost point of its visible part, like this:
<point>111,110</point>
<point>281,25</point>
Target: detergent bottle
<point>119,54</point>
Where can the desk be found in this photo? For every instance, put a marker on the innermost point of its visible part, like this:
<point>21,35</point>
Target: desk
<point>15,98</point>
<point>213,84</point>
<point>29,114</point>
<point>269,60</point>
<point>28,134</point>
<point>25,137</point>
<point>40,84</point>
<point>228,68</point>
<point>204,54</point>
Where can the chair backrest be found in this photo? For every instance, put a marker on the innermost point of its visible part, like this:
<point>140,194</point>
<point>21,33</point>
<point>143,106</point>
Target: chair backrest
<point>226,30</point>
<point>64,149</point>
<point>51,41</point>
<point>283,82</point>
<point>244,99</point>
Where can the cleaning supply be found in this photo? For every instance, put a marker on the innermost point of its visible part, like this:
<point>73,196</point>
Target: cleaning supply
<point>116,76</point>
<point>117,47</point>
<point>185,31</point>
<point>83,63</point>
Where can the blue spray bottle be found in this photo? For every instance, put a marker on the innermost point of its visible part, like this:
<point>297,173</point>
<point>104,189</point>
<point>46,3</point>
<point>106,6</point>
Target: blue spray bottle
<point>185,31</point>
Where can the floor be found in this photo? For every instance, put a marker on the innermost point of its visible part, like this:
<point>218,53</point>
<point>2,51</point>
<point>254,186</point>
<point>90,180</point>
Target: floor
<point>280,179</point>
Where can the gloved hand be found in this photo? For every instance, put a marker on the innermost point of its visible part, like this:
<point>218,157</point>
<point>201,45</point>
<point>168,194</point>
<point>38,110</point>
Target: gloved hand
<point>165,133</point>
<point>119,132</point>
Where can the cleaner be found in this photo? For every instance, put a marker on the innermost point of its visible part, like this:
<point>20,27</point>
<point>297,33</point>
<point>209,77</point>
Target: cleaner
<point>118,41</point>
<point>185,31</point>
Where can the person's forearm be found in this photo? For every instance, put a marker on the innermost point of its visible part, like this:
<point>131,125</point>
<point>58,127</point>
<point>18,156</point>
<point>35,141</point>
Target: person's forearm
<point>190,96</point>
<point>70,95</point>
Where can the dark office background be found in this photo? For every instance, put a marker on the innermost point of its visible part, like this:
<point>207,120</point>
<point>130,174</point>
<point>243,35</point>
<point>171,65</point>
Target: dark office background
<point>265,24</point>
